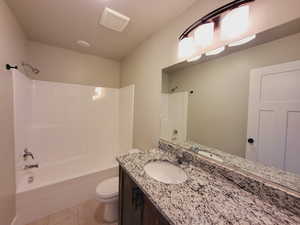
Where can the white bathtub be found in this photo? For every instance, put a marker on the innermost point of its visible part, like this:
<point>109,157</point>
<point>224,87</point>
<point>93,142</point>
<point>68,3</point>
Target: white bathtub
<point>57,172</point>
<point>55,189</point>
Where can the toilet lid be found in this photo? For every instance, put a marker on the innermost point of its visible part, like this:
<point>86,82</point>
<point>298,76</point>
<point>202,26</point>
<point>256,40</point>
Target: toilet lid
<point>108,188</point>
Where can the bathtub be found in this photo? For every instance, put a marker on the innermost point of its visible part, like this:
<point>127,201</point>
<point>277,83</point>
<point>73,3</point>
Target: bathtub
<point>47,190</point>
<point>53,173</point>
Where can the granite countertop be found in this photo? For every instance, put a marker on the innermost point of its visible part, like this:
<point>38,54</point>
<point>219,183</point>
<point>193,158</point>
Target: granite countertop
<point>205,198</point>
<point>284,178</point>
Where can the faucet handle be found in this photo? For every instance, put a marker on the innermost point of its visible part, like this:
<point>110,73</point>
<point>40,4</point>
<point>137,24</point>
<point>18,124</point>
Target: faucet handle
<point>194,148</point>
<point>27,153</point>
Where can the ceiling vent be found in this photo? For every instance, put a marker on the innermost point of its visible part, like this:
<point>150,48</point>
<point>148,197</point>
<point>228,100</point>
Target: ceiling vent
<point>114,20</point>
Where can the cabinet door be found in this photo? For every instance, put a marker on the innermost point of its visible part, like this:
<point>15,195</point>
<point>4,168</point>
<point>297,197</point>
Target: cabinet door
<point>151,216</point>
<point>131,201</point>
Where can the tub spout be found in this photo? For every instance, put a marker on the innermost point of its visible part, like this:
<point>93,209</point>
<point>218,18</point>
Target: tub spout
<point>27,167</point>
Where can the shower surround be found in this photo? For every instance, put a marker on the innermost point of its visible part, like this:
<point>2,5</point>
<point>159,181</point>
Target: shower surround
<point>74,131</point>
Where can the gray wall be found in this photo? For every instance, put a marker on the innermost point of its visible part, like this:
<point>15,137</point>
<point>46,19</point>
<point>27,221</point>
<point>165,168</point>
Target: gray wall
<point>143,66</point>
<point>12,50</point>
<point>62,65</point>
<point>217,113</point>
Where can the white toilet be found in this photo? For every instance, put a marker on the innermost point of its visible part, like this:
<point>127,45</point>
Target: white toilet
<point>107,193</point>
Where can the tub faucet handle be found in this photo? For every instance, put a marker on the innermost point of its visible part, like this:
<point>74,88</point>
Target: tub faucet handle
<point>27,154</point>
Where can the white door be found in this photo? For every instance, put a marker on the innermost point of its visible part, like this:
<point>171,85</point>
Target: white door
<point>274,116</point>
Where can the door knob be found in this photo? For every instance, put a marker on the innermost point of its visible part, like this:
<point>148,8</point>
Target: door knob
<point>250,140</point>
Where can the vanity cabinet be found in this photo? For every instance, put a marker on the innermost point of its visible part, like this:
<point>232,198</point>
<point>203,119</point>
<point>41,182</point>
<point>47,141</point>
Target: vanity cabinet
<point>134,206</point>
<point>151,216</point>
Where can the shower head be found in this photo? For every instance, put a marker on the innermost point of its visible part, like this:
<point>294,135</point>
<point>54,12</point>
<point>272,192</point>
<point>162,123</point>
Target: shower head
<point>33,69</point>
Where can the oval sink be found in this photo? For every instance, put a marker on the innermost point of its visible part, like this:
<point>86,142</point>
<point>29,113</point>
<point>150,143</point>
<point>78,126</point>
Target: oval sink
<point>210,155</point>
<point>165,172</point>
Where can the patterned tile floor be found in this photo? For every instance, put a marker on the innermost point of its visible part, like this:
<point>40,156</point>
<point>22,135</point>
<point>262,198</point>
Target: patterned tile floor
<point>87,213</point>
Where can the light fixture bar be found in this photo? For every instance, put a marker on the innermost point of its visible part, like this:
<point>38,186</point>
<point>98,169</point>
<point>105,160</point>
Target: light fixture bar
<point>215,51</point>
<point>235,23</point>
<point>194,58</point>
<point>242,41</point>
<point>213,15</point>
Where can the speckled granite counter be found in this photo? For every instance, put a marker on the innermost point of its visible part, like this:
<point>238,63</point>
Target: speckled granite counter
<point>206,198</point>
<point>284,178</point>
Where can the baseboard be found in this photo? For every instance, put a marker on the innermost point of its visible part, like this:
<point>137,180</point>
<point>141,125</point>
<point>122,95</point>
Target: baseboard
<point>14,221</point>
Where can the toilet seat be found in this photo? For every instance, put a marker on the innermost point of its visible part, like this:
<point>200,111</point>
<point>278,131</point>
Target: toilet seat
<point>108,188</point>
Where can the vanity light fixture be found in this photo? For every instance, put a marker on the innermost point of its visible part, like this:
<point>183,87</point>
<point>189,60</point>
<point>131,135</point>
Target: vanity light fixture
<point>193,59</point>
<point>232,19</point>
<point>235,23</point>
<point>242,41</point>
<point>215,51</point>
<point>204,35</point>
<point>186,48</point>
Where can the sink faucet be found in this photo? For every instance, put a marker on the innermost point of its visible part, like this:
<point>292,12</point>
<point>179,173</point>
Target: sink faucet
<point>182,157</point>
<point>27,167</point>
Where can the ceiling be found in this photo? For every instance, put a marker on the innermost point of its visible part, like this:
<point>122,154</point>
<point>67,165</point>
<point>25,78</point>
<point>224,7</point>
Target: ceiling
<point>63,22</point>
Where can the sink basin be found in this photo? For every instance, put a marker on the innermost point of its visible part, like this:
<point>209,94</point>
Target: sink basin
<point>165,172</point>
<point>211,156</point>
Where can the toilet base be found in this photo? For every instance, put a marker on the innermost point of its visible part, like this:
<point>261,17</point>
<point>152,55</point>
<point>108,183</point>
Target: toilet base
<point>111,211</point>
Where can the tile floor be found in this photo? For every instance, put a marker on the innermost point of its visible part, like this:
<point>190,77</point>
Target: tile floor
<point>87,213</point>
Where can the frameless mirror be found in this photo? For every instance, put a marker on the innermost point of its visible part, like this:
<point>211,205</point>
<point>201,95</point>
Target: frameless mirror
<point>244,102</point>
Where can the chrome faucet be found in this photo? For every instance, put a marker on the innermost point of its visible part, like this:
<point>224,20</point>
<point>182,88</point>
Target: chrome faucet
<point>182,157</point>
<point>27,154</point>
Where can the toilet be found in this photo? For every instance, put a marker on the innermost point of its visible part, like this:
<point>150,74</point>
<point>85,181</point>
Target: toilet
<point>107,193</point>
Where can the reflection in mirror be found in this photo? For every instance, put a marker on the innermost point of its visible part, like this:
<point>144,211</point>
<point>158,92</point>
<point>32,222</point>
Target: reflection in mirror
<point>244,101</point>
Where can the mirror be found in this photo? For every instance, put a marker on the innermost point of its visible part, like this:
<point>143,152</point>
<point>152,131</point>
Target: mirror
<point>243,102</point>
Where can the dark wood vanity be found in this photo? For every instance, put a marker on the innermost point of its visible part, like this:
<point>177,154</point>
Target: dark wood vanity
<point>134,206</point>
